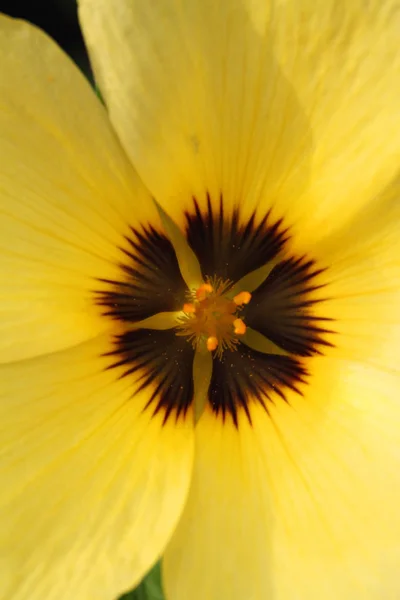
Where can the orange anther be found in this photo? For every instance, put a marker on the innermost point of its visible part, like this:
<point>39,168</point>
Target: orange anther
<point>242,298</point>
<point>210,317</point>
<point>239,327</point>
<point>189,308</point>
<point>203,290</point>
<point>212,343</point>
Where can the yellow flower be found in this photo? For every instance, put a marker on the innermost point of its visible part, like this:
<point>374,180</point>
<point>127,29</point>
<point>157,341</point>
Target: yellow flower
<point>199,305</point>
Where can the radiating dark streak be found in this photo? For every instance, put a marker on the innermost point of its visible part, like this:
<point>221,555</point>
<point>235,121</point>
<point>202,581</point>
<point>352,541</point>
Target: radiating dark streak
<point>227,248</point>
<point>245,375</point>
<point>281,309</point>
<point>150,283</point>
<point>163,365</point>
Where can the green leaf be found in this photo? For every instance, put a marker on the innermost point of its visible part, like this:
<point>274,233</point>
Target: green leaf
<point>149,588</point>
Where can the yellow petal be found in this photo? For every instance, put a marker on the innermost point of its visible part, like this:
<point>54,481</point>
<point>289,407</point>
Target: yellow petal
<point>303,503</point>
<point>67,196</point>
<point>362,294</point>
<point>199,101</point>
<point>343,60</point>
<point>92,484</point>
<point>221,547</point>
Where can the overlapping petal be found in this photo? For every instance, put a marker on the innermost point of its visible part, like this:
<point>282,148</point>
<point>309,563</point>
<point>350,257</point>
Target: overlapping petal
<point>199,102</point>
<point>287,104</point>
<point>67,197</point>
<point>92,484</point>
<point>343,60</point>
<point>363,276</point>
<point>300,504</point>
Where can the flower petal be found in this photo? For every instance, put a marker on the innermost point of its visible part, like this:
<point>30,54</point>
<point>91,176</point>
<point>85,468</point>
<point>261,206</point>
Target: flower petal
<point>198,101</point>
<point>67,197</point>
<point>221,546</point>
<point>343,60</point>
<point>92,484</point>
<point>291,104</point>
<point>303,503</point>
<point>362,292</point>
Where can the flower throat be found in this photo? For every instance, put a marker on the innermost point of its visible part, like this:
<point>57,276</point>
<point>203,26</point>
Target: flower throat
<point>211,319</point>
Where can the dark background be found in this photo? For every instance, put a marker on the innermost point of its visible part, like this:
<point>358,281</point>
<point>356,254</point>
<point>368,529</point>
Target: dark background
<point>58,18</point>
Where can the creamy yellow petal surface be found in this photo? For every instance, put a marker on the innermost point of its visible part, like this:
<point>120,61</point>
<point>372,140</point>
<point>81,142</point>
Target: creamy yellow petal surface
<point>92,486</point>
<point>198,100</point>
<point>291,104</point>
<point>67,196</point>
<point>363,275</point>
<point>303,504</point>
<point>343,60</point>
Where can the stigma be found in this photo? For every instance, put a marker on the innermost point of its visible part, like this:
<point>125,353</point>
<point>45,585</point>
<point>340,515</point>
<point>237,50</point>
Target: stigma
<point>211,320</point>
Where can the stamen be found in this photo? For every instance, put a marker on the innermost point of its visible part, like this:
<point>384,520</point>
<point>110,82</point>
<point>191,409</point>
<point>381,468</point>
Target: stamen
<point>189,308</point>
<point>203,291</point>
<point>212,344</point>
<point>210,319</point>
<point>242,298</point>
<point>239,327</point>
